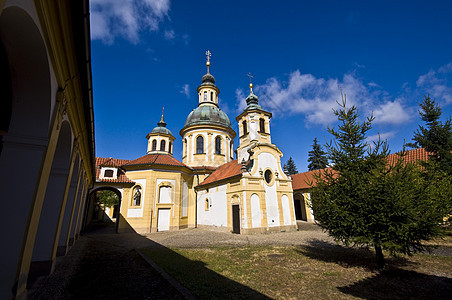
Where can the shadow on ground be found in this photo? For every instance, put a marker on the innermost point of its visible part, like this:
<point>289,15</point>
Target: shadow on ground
<point>391,283</point>
<point>105,265</point>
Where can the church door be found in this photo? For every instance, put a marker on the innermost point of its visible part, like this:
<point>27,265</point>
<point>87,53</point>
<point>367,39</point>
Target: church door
<point>163,219</point>
<point>297,205</point>
<point>235,219</point>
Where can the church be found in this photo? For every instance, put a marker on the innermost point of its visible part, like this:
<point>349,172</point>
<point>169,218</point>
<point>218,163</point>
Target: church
<point>209,188</point>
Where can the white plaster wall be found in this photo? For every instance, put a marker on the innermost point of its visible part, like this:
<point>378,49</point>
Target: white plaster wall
<point>138,212</point>
<point>244,218</point>
<point>217,214</point>
<point>255,211</point>
<point>286,210</point>
<point>267,160</point>
<point>184,199</point>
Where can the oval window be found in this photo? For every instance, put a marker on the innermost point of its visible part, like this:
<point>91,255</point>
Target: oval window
<point>268,175</point>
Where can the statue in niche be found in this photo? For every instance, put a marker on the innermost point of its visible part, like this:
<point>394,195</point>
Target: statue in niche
<point>137,196</point>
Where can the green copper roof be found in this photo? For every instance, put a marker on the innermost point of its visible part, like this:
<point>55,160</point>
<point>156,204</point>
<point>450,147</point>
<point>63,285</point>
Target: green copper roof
<point>208,115</point>
<point>252,101</point>
<point>161,128</point>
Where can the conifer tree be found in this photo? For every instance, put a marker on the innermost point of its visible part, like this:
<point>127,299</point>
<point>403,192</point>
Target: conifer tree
<point>317,157</point>
<point>291,168</point>
<point>436,137</point>
<point>362,200</point>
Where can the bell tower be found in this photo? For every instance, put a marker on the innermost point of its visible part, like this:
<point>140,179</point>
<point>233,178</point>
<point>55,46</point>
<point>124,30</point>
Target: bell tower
<point>254,125</point>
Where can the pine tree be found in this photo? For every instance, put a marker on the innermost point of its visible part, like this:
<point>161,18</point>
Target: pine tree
<point>291,168</point>
<point>317,157</point>
<point>436,137</point>
<point>361,200</point>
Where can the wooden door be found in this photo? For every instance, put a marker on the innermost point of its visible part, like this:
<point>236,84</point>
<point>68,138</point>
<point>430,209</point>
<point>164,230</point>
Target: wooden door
<point>235,219</point>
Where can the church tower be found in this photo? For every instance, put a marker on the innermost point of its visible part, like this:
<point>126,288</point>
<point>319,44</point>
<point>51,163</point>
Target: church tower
<point>254,126</point>
<point>160,140</point>
<point>207,135</point>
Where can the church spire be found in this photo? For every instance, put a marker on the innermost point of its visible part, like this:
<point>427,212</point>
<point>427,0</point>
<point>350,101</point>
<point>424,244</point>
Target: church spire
<point>208,91</point>
<point>162,122</point>
<point>208,55</point>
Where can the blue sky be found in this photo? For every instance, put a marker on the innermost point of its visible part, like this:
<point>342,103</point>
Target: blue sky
<point>385,55</point>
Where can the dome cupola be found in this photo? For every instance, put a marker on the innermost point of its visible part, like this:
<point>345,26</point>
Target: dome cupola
<point>160,139</point>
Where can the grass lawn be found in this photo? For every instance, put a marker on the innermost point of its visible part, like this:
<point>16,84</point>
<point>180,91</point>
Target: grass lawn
<point>319,271</point>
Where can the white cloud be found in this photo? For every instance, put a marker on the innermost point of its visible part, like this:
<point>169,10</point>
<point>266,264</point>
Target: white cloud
<point>240,96</point>
<point>382,136</point>
<point>126,18</point>
<point>169,35</point>
<point>392,112</point>
<point>437,83</point>
<point>185,90</point>
<point>316,98</point>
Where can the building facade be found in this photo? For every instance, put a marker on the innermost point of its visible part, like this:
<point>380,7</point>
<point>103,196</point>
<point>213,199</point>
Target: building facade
<point>209,188</point>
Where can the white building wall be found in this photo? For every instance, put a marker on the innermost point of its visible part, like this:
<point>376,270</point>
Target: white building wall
<point>267,160</point>
<point>217,214</point>
<point>255,211</point>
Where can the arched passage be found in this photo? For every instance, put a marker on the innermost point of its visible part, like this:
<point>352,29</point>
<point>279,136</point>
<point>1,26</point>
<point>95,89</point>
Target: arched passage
<point>44,249</point>
<point>25,130</point>
<point>94,211</point>
<point>69,209</point>
<point>300,207</point>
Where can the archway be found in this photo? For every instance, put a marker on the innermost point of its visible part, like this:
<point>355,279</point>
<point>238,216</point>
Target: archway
<point>44,248</point>
<point>300,207</point>
<point>69,209</point>
<point>27,101</point>
<point>95,211</point>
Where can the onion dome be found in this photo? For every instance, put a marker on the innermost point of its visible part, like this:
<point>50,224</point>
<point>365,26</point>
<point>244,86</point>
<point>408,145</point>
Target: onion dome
<point>208,115</point>
<point>208,79</point>
<point>161,128</point>
<point>252,100</point>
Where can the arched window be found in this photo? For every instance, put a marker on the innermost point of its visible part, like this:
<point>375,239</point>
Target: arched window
<point>218,145</point>
<point>185,147</point>
<point>136,200</point>
<point>170,145</point>
<point>154,145</point>
<point>262,125</point>
<point>245,129</point>
<point>207,205</point>
<point>162,145</point>
<point>199,145</point>
<point>211,96</point>
<point>205,96</point>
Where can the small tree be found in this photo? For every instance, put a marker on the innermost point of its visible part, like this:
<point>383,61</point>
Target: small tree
<point>436,137</point>
<point>362,200</point>
<point>107,198</point>
<point>317,157</point>
<point>291,168</point>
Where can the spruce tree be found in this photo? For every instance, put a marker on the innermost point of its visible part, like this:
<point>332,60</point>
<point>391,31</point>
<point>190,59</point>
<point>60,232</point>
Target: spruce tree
<point>362,200</point>
<point>317,157</point>
<point>436,137</point>
<point>291,168</point>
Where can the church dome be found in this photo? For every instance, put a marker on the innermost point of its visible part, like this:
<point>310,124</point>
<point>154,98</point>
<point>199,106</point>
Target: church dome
<point>163,130</point>
<point>208,115</point>
<point>208,79</point>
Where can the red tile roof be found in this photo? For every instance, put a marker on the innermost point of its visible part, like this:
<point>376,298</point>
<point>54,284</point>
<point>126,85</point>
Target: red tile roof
<point>111,162</point>
<point>225,171</point>
<point>157,159</point>
<point>301,180</point>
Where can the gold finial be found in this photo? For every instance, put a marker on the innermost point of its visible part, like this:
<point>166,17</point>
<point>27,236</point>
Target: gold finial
<point>163,109</point>
<point>208,55</point>
<point>251,84</point>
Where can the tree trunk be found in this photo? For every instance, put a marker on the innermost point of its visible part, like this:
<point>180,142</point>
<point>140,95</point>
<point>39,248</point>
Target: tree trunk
<point>380,257</point>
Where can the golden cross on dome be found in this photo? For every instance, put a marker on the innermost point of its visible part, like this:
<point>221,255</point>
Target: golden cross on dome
<point>163,109</point>
<point>250,76</point>
<point>208,55</point>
